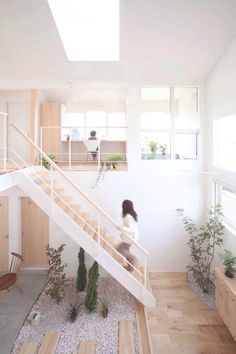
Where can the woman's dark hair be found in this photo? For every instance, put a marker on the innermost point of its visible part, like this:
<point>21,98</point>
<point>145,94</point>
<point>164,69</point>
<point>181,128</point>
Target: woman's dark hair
<point>128,208</point>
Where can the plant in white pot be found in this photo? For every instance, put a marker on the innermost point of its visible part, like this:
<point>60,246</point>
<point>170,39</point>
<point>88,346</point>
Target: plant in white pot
<point>34,318</point>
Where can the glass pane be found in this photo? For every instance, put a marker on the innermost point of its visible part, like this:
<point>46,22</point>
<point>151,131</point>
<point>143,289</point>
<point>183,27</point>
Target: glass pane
<point>225,142</point>
<point>96,119</point>
<point>73,120</point>
<point>155,120</point>
<point>117,134</point>
<point>155,145</point>
<point>155,94</point>
<point>186,108</point>
<point>186,146</point>
<point>116,119</point>
<point>74,133</point>
<point>228,202</point>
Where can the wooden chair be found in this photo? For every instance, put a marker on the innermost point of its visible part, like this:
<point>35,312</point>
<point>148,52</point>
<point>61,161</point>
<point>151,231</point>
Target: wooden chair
<point>10,279</point>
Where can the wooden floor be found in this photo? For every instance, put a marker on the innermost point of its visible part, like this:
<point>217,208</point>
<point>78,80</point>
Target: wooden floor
<point>182,324</point>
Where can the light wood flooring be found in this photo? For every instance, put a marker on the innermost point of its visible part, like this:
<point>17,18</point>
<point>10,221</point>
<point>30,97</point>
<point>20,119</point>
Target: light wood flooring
<point>181,323</point>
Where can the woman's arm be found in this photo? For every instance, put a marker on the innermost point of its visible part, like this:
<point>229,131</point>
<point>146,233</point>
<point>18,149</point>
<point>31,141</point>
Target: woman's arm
<point>129,225</point>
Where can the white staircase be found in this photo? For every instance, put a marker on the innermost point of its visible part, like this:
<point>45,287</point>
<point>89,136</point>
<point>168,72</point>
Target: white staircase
<point>84,221</point>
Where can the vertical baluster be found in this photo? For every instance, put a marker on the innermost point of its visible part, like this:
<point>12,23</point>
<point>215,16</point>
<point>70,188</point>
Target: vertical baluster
<point>4,141</point>
<point>98,231</point>
<point>70,150</point>
<point>145,271</point>
<point>41,144</point>
<point>52,194</point>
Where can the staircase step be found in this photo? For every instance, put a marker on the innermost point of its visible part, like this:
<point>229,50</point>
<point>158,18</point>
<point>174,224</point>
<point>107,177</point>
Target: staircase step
<point>142,327</point>
<point>40,173</point>
<point>65,199</point>
<point>75,206</point>
<point>79,221</point>
<point>28,348</point>
<point>49,343</point>
<point>93,224</point>
<point>87,347</point>
<point>47,189</point>
<point>126,337</point>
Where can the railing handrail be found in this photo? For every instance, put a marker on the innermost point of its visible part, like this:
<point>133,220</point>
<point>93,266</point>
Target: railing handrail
<point>72,182</point>
<point>79,126</point>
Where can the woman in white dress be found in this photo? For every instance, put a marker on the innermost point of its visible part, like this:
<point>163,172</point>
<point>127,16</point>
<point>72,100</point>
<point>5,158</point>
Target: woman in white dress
<point>129,232</point>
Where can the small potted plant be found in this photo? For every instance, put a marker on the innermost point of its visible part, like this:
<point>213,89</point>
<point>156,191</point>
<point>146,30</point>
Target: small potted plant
<point>163,149</point>
<point>72,311</point>
<point>153,146</point>
<point>34,318</point>
<point>229,262</point>
<point>45,163</point>
<point>114,159</point>
<point>104,304</point>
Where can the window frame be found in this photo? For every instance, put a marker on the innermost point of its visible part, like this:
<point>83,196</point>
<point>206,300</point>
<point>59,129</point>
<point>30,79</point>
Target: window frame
<point>87,128</point>
<point>217,187</point>
<point>173,131</point>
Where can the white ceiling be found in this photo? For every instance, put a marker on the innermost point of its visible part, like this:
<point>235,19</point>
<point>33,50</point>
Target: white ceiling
<point>163,41</point>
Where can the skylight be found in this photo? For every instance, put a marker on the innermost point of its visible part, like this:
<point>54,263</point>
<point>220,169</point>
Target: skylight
<point>89,29</point>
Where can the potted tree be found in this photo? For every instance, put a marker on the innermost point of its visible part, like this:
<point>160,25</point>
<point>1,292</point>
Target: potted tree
<point>229,262</point>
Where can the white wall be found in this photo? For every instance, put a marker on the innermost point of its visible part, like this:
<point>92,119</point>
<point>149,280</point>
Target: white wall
<point>157,189</point>
<point>16,104</point>
<point>221,101</point>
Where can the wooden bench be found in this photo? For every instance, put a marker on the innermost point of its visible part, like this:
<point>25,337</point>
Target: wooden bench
<point>126,337</point>
<point>49,343</point>
<point>142,327</point>
<point>87,347</point>
<point>28,348</point>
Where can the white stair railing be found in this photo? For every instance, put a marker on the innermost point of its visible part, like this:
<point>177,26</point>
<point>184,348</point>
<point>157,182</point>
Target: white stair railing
<point>54,168</point>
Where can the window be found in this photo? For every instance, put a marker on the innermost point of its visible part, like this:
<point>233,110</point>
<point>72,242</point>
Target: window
<point>169,123</point>
<point>224,138</point>
<point>108,125</point>
<point>226,197</point>
<point>74,126</point>
<point>89,29</point>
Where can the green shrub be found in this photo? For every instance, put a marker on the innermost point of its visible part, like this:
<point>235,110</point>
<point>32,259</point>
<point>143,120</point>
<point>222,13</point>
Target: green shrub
<point>91,295</point>
<point>82,272</point>
<point>45,163</point>
<point>229,262</point>
<point>56,273</point>
<point>202,243</point>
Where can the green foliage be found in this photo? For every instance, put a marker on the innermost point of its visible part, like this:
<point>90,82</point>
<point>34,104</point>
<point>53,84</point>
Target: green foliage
<point>82,272</point>
<point>45,163</point>
<point>115,157</point>
<point>202,243</point>
<point>91,295</point>
<point>229,262</point>
<point>104,304</point>
<point>163,148</point>
<point>56,273</point>
<point>72,311</point>
<point>153,146</point>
